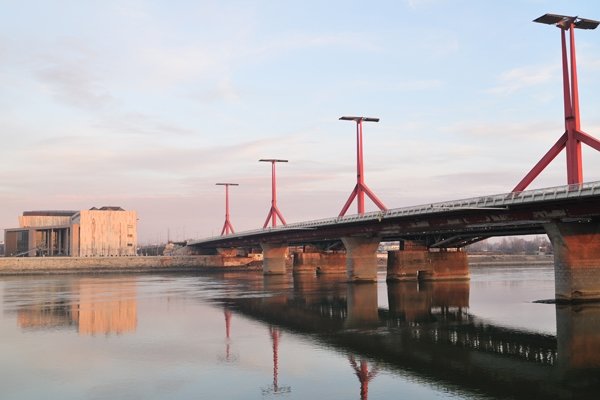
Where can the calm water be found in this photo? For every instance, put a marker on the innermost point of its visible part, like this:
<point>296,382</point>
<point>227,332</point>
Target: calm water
<point>242,336</point>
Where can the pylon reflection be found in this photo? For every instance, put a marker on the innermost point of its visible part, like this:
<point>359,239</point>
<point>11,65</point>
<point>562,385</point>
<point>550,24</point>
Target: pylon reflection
<point>275,388</point>
<point>228,356</point>
<point>364,375</point>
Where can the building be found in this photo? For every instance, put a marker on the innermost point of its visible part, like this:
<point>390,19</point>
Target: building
<point>97,232</point>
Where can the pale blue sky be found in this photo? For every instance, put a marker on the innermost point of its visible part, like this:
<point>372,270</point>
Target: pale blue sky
<point>147,104</point>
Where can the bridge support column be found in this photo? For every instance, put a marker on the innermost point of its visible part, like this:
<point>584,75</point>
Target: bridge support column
<point>332,263</point>
<point>306,263</point>
<point>274,258</point>
<point>406,265</point>
<point>361,258</point>
<point>576,260</point>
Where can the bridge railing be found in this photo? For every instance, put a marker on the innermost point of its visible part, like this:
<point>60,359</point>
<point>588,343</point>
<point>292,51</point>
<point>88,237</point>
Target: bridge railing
<point>483,202</point>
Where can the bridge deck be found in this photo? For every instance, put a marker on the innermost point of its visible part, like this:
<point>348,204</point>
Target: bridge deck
<point>445,224</point>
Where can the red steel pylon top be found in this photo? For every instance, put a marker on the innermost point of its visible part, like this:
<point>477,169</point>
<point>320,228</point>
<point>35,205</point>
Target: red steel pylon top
<point>361,187</point>
<point>573,137</point>
<point>227,227</point>
<point>273,211</point>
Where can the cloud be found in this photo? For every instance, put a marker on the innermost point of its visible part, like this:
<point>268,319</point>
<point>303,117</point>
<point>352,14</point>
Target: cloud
<point>137,123</point>
<point>161,66</point>
<point>414,85</point>
<point>523,77</point>
<point>223,90</point>
<point>414,4</point>
<point>348,40</point>
<point>69,75</point>
<point>523,130</point>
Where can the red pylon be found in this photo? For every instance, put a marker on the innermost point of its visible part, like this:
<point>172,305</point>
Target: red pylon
<point>274,211</point>
<point>573,137</point>
<point>361,187</point>
<point>227,227</point>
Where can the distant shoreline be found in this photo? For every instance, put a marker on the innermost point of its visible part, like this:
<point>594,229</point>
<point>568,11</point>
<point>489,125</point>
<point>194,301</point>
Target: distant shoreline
<point>160,264</point>
<point>509,259</point>
<point>135,264</point>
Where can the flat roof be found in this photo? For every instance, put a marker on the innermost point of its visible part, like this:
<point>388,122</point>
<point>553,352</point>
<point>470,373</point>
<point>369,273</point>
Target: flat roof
<point>50,213</point>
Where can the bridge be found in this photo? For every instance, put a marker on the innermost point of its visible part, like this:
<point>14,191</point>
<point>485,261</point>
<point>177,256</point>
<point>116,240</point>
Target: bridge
<point>431,236</point>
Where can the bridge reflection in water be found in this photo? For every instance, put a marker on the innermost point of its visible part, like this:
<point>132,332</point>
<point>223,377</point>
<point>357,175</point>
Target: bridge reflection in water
<point>427,330</point>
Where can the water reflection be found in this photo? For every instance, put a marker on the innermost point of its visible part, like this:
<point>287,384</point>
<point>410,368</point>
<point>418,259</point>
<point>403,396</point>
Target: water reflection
<point>90,305</point>
<point>363,374</point>
<point>410,301</point>
<point>275,388</point>
<point>106,307</point>
<point>362,305</point>
<point>427,328</point>
<point>578,334</point>
<point>228,357</point>
<point>427,332</point>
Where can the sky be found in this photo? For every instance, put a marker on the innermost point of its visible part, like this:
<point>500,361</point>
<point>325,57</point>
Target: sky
<point>147,104</point>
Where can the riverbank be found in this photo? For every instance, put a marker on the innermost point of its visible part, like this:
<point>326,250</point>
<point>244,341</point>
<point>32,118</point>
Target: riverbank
<point>61,265</point>
<point>481,260</point>
<point>205,263</point>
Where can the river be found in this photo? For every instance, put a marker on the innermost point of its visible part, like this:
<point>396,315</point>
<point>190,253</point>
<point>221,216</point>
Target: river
<point>245,336</point>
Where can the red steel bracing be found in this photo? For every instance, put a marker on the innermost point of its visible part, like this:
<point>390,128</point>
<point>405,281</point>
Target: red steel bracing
<point>573,137</point>
<point>274,211</point>
<point>361,187</point>
<point>227,227</point>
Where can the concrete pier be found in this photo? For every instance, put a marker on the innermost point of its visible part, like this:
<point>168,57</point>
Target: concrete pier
<point>274,258</point>
<point>427,265</point>
<point>332,263</point>
<point>361,258</point>
<point>319,262</point>
<point>306,263</point>
<point>576,260</point>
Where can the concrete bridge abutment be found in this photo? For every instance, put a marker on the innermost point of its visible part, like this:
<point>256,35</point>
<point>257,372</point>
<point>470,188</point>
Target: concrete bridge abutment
<point>427,265</point>
<point>576,260</point>
<point>274,258</point>
<point>361,258</point>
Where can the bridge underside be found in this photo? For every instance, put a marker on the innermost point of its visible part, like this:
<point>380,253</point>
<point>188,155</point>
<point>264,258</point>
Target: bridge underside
<point>569,215</point>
